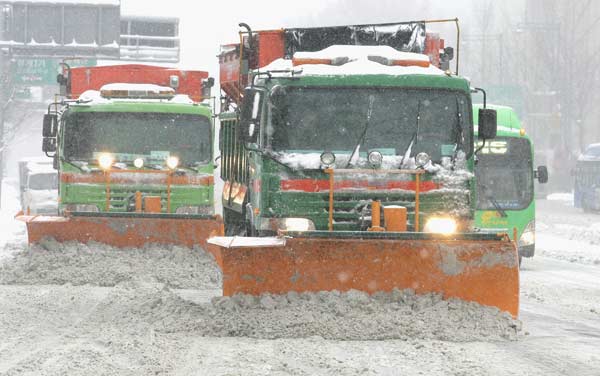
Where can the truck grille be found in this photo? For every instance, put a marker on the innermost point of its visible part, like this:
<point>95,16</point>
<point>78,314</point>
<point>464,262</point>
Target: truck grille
<point>121,197</point>
<point>354,213</point>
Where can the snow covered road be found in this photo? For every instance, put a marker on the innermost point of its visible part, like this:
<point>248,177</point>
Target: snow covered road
<point>104,312</point>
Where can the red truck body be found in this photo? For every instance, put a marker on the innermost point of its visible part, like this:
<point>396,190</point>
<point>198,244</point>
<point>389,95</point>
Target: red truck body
<point>269,45</point>
<point>93,78</point>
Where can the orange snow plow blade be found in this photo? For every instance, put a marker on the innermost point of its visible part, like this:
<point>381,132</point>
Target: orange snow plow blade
<point>122,230</point>
<point>475,267</point>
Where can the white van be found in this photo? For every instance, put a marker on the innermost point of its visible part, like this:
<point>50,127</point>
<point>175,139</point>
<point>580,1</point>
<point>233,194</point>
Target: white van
<point>38,182</point>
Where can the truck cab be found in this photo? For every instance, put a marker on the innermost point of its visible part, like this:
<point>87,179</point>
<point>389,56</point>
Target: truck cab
<point>322,134</point>
<point>133,139</point>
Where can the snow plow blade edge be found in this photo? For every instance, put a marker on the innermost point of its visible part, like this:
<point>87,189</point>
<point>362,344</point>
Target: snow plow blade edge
<point>122,230</point>
<point>483,269</point>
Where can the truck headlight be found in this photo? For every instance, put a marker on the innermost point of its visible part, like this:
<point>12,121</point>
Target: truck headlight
<point>105,161</point>
<point>528,235</point>
<point>422,159</point>
<point>294,224</point>
<point>172,162</point>
<point>444,226</point>
<point>328,158</point>
<point>375,158</point>
<point>194,210</point>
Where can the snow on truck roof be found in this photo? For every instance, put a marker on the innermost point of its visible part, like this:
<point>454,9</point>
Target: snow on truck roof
<point>110,93</point>
<point>357,60</point>
<point>149,88</point>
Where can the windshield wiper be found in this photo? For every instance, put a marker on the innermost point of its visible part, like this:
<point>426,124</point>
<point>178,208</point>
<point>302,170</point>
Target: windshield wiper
<point>493,201</point>
<point>458,139</point>
<point>364,132</point>
<point>413,139</point>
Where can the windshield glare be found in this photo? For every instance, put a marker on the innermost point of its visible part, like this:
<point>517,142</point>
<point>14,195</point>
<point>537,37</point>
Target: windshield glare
<point>504,172</point>
<point>154,135</point>
<point>335,118</point>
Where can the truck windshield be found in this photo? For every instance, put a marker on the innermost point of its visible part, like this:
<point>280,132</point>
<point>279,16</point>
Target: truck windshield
<point>137,134</point>
<point>505,173</point>
<point>43,181</point>
<point>334,119</point>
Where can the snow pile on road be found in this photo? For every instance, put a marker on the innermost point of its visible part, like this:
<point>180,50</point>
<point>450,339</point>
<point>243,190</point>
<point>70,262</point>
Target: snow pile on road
<point>570,242</point>
<point>13,234</point>
<point>51,262</point>
<point>178,290</point>
<point>351,315</point>
<point>565,197</point>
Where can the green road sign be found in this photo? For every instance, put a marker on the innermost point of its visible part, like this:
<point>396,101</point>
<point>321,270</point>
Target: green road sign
<point>38,72</point>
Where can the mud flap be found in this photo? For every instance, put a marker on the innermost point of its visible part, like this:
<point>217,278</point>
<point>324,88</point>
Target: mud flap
<point>472,267</point>
<point>123,230</point>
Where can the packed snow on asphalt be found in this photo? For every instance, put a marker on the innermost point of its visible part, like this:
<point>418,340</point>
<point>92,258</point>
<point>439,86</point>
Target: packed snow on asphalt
<point>93,309</point>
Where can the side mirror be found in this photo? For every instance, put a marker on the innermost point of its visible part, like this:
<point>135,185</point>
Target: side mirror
<point>55,161</point>
<point>488,123</point>
<point>250,115</point>
<point>206,86</point>
<point>542,174</point>
<point>49,145</point>
<point>50,128</point>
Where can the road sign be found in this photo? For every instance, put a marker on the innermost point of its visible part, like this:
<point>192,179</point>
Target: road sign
<point>39,72</point>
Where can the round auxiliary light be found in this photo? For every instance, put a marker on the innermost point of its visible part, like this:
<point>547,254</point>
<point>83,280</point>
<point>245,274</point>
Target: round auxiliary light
<point>375,158</point>
<point>138,163</point>
<point>172,162</point>
<point>105,161</point>
<point>422,159</point>
<point>328,158</point>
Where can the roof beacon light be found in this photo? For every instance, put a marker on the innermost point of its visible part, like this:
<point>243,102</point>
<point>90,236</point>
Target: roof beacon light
<point>399,62</point>
<point>337,61</point>
<point>136,91</point>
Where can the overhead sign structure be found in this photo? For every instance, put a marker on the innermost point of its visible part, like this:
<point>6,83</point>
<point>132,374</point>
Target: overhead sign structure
<point>61,28</point>
<point>150,39</point>
<point>85,29</point>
